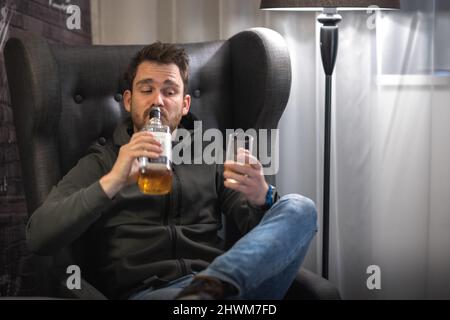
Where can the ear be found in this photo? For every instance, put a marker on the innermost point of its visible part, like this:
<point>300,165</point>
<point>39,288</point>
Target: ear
<point>127,100</point>
<point>186,104</point>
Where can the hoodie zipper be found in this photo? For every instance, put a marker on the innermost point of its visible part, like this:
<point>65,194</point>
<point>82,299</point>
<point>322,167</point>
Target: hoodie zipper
<point>170,207</point>
<point>178,208</point>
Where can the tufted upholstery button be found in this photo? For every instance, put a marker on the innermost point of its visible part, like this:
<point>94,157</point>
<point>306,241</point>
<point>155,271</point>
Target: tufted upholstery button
<point>118,97</point>
<point>197,93</point>
<point>102,141</point>
<point>78,99</point>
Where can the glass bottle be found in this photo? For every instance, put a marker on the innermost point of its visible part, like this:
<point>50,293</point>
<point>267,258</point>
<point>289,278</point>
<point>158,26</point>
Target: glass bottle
<point>155,175</point>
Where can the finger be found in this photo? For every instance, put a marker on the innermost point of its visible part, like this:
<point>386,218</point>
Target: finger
<point>148,139</point>
<point>235,186</point>
<point>237,177</point>
<point>231,185</point>
<point>246,157</point>
<point>240,168</point>
<point>141,134</point>
<point>144,153</point>
<point>152,142</point>
<point>147,147</point>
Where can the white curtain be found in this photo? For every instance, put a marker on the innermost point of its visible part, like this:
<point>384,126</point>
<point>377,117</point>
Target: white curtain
<point>390,186</point>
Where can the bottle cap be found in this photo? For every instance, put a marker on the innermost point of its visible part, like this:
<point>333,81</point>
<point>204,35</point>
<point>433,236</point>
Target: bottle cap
<point>155,112</point>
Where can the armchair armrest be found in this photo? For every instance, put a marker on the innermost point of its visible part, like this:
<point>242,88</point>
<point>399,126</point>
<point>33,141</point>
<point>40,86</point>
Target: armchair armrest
<point>310,286</point>
<point>87,291</point>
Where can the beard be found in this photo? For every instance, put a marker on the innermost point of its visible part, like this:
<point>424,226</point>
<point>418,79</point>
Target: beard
<point>139,120</point>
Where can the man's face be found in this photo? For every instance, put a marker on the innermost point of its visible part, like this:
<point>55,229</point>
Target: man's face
<point>157,84</point>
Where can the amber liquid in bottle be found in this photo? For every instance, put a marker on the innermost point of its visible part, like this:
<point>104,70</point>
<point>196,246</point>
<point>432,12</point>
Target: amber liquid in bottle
<point>155,175</point>
<point>155,182</point>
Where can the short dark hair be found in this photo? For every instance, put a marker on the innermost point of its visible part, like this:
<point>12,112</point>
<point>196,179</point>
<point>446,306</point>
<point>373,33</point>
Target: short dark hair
<point>163,53</point>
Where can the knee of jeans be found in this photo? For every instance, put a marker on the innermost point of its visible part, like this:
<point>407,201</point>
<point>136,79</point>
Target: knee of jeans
<point>301,208</point>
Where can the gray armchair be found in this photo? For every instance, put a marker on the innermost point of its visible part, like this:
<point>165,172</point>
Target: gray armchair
<point>65,98</point>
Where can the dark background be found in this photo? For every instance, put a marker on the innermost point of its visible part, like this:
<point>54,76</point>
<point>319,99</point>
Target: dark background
<point>17,275</point>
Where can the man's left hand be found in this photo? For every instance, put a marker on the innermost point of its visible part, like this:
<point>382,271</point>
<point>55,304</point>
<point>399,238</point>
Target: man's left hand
<point>247,177</point>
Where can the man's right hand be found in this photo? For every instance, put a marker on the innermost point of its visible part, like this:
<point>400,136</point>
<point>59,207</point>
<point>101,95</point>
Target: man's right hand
<point>126,168</point>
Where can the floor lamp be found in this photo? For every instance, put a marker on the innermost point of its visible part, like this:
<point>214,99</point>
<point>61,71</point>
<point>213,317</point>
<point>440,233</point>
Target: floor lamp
<point>328,46</point>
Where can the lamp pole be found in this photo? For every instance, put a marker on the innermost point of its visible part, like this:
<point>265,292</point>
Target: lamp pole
<point>329,37</point>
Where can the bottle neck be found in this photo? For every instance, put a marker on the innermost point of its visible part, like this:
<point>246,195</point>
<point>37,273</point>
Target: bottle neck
<point>156,121</point>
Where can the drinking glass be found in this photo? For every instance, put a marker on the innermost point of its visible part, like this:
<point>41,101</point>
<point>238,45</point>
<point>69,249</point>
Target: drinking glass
<point>236,141</point>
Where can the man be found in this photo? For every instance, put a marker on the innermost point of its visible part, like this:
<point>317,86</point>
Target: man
<point>165,247</point>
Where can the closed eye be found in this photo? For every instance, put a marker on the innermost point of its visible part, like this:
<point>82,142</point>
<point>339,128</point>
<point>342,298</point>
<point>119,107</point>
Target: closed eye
<point>170,92</point>
<point>146,90</point>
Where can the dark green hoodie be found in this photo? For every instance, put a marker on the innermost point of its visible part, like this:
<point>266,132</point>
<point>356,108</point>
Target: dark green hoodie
<point>135,237</point>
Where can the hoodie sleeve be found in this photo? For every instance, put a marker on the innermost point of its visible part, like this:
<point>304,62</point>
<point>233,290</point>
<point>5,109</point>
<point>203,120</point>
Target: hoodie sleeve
<point>70,209</point>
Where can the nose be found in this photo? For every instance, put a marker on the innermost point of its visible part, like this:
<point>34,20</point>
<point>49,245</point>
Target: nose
<point>157,99</point>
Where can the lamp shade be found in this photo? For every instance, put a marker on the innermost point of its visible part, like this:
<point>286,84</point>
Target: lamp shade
<point>312,5</point>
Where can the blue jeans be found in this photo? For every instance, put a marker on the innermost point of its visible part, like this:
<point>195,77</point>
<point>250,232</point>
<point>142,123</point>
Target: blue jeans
<point>263,263</point>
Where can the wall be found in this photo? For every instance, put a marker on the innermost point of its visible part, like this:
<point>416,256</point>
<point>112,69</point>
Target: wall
<point>145,21</point>
<point>48,19</point>
<point>118,22</point>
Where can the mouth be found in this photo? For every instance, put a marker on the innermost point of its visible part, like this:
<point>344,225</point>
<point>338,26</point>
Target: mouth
<point>163,115</point>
